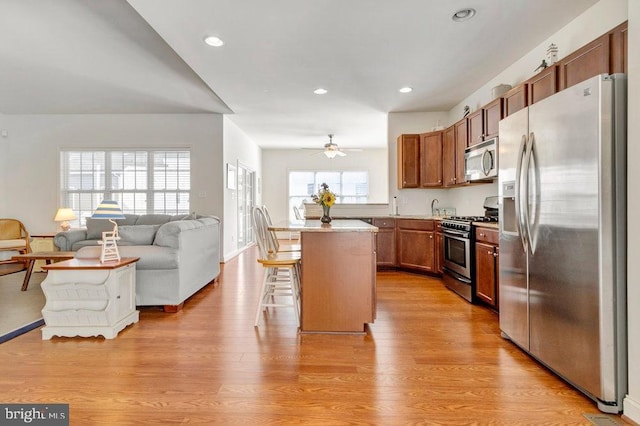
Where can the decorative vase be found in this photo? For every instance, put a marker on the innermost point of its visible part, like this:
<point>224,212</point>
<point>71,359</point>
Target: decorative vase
<point>325,215</point>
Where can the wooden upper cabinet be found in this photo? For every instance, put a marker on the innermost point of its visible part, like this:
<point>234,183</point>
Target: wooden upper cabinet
<point>586,62</point>
<point>475,124</point>
<point>461,138</point>
<point>493,113</point>
<point>543,84</point>
<point>483,123</point>
<point>409,161</point>
<point>619,47</point>
<point>449,157</point>
<point>431,159</point>
<point>515,99</point>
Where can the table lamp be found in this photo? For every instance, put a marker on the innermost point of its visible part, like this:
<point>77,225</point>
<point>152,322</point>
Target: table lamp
<point>110,210</point>
<point>64,215</point>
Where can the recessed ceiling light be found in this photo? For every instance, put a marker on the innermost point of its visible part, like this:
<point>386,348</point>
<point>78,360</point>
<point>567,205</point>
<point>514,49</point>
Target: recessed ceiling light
<point>463,15</point>
<point>213,41</point>
<point>405,90</point>
<point>320,91</point>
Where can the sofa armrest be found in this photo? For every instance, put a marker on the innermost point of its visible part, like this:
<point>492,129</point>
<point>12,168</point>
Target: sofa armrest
<point>66,239</point>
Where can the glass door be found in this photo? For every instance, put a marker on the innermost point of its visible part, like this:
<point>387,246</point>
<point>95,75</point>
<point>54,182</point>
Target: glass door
<point>246,200</point>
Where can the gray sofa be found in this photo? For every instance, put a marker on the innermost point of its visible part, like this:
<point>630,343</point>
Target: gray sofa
<point>178,254</point>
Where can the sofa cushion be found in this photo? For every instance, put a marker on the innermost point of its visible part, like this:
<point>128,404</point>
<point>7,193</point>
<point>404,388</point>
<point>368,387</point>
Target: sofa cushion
<point>138,234</point>
<point>95,227</point>
<point>151,257</point>
<point>169,234</point>
<point>84,243</point>
<point>153,219</point>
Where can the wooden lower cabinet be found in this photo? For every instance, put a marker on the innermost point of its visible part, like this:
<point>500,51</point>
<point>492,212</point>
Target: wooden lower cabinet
<point>439,249</point>
<point>416,244</point>
<point>487,266</point>
<point>385,242</point>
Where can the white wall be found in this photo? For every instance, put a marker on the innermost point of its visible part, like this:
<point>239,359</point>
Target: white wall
<point>3,170</point>
<point>595,21</point>
<point>30,156</point>
<point>632,402</point>
<point>277,163</point>
<point>238,148</point>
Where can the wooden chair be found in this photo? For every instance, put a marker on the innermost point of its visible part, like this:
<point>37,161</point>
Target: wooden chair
<point>281,276</point>
<point>14,237</point>
<point>278,246</point>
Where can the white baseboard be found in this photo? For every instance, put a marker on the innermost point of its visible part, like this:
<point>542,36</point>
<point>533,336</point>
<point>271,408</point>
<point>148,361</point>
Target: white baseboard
<point>631,409</point>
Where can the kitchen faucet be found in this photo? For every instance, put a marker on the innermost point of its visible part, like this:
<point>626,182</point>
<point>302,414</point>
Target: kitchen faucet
<point>433,202</point>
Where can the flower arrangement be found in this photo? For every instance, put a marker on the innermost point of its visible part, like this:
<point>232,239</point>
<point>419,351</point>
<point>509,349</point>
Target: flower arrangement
<point>326,199</point>
<point>324,196</point>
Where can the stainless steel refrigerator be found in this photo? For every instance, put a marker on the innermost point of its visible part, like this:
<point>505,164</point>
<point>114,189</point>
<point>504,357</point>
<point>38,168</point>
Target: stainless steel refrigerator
<point>562,207</point>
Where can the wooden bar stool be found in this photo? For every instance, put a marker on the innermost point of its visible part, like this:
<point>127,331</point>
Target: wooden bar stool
<point>281,278</point>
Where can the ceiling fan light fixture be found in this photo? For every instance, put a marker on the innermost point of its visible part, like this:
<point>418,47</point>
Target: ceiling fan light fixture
<point>213,41</point>
<point>405,89</point>
<point>330,153</point>
<point>463,15</point>
<point>320,91</point>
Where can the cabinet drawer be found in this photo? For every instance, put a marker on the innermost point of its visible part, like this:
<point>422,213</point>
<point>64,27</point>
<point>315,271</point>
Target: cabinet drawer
<point>384,222</point>
<point>487,235</point>
<point>419,224</point>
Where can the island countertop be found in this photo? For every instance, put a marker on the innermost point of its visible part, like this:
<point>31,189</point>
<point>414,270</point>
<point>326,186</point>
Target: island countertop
<point>311,225</point>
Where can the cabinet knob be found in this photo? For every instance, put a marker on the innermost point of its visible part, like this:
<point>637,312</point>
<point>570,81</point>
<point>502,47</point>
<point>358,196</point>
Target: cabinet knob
<point>481,234</point>
<point>495,254</point>
<point>431,237</point>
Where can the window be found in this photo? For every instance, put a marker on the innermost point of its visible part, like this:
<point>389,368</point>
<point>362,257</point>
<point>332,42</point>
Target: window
<point>141,181</point>
<point>349,187</point>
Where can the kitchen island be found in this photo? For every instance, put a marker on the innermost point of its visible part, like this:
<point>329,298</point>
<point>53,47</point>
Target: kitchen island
<point>338,275</point>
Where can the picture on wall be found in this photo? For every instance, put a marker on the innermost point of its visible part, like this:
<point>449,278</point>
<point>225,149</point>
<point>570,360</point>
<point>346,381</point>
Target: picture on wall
<point>231,176</point>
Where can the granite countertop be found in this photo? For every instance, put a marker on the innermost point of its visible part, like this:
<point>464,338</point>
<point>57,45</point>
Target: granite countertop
<point>314,225</point>
<point>491,225</point>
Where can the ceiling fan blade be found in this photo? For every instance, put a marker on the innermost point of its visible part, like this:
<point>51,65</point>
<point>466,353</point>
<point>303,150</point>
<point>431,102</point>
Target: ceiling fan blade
<point>340,153</point>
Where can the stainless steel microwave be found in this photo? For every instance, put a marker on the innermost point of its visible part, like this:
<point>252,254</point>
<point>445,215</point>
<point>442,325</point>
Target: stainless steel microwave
<point>481,161</point>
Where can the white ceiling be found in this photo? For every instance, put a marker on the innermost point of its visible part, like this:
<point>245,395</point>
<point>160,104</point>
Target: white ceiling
<point>82,56</point>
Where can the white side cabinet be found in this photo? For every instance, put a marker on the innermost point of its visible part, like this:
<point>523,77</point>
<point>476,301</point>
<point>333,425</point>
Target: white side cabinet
<point>87,298</point>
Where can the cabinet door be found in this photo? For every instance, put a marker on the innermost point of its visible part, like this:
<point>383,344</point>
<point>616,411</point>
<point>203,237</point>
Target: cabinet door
<point>416,249</point>
<point>586,62</point>
<point>431,159</point>
<point>461,145</point>
<point>408,161</point>
<point>486,273</point>
<point>475,122</point>
<point>449,157</point>
<point>439,252</point>
<point>543,84</point>
<point>619,48</point>
<point>515,99</point>
<point>385,242</point>
<point>492,116</point>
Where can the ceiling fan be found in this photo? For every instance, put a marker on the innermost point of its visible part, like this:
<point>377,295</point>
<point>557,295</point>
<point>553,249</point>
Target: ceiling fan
<point>331,150</point>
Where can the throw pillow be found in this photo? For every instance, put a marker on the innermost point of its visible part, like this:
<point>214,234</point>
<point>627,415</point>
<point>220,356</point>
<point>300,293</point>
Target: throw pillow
<point>138,235</point>
<point>95,228</point>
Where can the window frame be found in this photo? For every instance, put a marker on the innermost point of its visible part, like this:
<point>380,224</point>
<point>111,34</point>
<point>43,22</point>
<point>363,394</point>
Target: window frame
<point>83,201</point>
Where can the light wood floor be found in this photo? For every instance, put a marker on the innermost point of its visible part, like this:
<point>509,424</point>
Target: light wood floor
<point>430,358</point>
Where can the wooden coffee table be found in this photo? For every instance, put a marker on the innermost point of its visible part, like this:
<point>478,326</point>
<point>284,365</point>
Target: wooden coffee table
<point>47,256</point>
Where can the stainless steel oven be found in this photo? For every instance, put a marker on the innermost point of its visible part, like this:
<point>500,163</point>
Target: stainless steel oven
<point>458,257</point>
<point>457,251</point>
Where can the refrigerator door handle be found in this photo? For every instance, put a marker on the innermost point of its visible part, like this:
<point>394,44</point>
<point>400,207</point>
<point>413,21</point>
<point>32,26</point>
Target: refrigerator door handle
<point>526,210</point>
<point>518,192</point>
<point>531,217</point>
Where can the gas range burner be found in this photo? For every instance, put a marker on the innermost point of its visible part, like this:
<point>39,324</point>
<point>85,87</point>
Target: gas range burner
<point>474,218</point>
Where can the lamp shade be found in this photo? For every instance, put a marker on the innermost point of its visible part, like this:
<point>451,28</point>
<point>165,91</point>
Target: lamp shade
<point>64,214</point>
<point>108,209</point>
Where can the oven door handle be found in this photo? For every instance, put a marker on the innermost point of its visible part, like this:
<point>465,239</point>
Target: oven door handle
<point>462,234</point>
